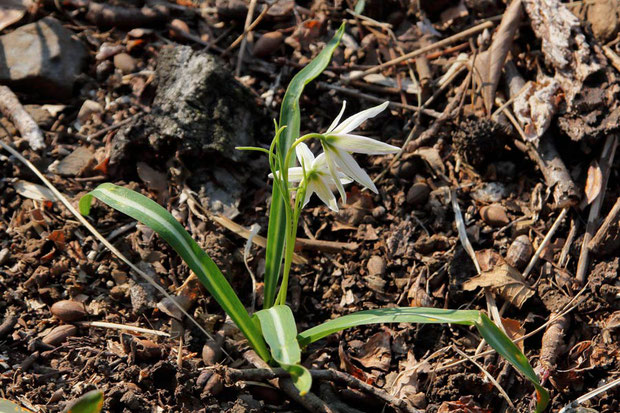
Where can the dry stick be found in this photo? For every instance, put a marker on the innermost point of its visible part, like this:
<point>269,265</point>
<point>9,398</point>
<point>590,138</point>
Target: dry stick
<point>310,401</point>
<point>15,112</point>
<point>487,374</point>
<point>607,158</point>
<point>462,35</point>
<point>102,239</point>
<point>569,307</point>
<point>124,327</point>
<point>414,130</point>
<point>375,99</point>
<point>604,228</point>
<point>571,407</point>
<point>572,233</point>
<point>248,21</point>
<point>263,374</point>
<point>249,29</point>
<point>112,127</point>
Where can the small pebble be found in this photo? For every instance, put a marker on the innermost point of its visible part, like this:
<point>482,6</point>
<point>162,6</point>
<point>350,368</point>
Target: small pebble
<point>494,215</point>
<point>125,63</point>
<point>178,28</point>
<point>268,44</point>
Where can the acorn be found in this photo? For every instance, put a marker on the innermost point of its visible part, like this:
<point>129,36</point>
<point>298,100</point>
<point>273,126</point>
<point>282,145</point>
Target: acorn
<point>68,310</point>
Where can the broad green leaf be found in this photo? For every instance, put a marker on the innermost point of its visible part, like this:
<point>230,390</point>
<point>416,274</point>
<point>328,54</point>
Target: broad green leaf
<point>280,332</point>
<point>91,402</point>
<point>7,406</point>
<point>289,117</point>
<point>487,329</point>
<point>161,221</point>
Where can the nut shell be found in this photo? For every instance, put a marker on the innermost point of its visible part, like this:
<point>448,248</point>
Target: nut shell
<point>520,252</point>
<point>68,310</point>
<point>59,334</point>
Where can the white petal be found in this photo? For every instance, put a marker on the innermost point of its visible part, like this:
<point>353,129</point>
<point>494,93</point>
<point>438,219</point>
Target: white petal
<point>333,171</point>
<point>304,155</point>
<point>353,170</point>
<point>295,174</point>
<point>361,144</point>
<point>322,190</point>
<point>335,122</point>
<point>309,191</point>
<point>354,121</point>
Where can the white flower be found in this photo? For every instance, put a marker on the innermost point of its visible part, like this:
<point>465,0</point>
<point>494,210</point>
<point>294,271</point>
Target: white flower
<point>338,144</point>
<point>320,180</point>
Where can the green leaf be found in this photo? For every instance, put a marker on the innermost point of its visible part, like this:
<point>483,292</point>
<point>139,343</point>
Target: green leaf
<point>91,402</point>
<point>161,221</point>
<point>280,332</point>
<point>289,117</point>
<point>487,329</point>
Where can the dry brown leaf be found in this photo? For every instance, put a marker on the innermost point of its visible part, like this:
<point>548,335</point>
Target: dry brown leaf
<point>433,158</point>
<point>12,11</point>
<point>488,259</point>
<point>376,352</point>
<point>506,281</point>
<point>536,106</point>
<point>407,383</point>
<point>594,182</point>
<point>489,63</point>
<point>347,365</point>
<point>514,329</point>
<point>34,191</point>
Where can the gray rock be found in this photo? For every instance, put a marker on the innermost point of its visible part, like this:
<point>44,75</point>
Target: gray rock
<point>199,109</point>
<point>43,58</point>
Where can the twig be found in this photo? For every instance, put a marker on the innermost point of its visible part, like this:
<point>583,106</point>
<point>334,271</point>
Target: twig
<point>607,158</point>
<point>249,29</point>
<point>124,327</point>
<point>15,112</point>
<point>571,406</point>
<point>264,374</point>
<point>375,99</point>
<point>105,130</point>
<point>544,243</point>
<point>462,35</point>
<point>310,401</point>
<point>102,239</point>
<point>7,325</point>
<point>246,34</point>
<point>572,233</point>
<point>321,245</point>
<point>611,218</point>
<point>488,376</point>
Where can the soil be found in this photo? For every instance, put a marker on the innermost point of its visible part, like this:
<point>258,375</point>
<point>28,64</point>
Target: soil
<point>400,247</point>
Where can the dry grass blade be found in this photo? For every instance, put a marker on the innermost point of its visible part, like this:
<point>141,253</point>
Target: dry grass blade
<point>489,63</point>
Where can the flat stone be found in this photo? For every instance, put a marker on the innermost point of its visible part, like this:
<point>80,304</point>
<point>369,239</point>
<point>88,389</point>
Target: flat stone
<point>74,163</point>
<point>41,58</point>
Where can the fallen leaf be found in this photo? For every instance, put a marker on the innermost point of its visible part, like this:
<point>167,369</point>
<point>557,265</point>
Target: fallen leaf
<point>433,158</point>
<point>407,383</point>
<point>515,330</point>
<point>594,182</point>
<point>465,404</point>
<point>34,191</point>
<point>376,353</point>
<point>347,365</point>
<point>489,63</point>
<point>506,281</point>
